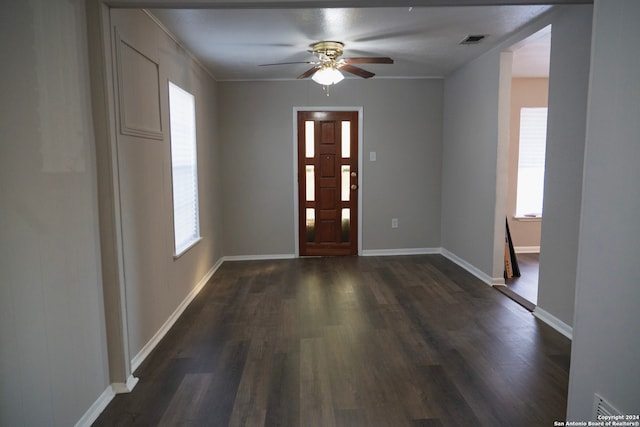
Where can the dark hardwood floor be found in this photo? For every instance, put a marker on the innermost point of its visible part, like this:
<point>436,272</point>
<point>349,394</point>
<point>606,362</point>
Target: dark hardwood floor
<point>351,341</point>
<point>527,284</point>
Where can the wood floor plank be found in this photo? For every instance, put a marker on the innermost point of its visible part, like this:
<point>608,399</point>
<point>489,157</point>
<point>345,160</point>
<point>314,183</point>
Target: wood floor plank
<point>450,403</point>
<point>186,400</point>
<point>316,402</point>
<point>350,418</point>
<point>250,405</point>
<point>350,341</point>
<point>283,406</point>
<point>221,394</point>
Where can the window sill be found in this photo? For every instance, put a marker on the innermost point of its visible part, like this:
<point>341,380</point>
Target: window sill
<point>185,250</point>
<point>528,218</point>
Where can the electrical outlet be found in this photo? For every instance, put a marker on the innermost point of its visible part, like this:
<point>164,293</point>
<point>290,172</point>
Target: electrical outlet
<point>394,222</point>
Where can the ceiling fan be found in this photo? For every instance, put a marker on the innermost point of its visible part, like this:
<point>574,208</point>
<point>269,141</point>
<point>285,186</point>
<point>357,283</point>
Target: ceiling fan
<point>326,70</point>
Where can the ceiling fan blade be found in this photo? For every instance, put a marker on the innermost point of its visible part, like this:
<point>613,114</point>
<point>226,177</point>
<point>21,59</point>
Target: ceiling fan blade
<point>369,60</point>
<point>287,63</point>
<point>357,71</point>
<point>310,72</point>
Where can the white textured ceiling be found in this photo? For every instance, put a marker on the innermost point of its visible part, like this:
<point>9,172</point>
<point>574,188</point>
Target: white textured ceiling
<point>423,41</point>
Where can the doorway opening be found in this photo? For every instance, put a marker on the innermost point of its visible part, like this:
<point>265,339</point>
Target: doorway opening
<point>527,140</point>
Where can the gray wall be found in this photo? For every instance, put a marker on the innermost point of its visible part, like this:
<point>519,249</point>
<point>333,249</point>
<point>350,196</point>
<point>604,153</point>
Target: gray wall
<point>470,211</point>
<point>402,122</point>
<point>53,356</point>
<point>156,283</point>
<point>52,339</point>
<point>568,89</point>
<point>606,342</point>
<point>469,161</point>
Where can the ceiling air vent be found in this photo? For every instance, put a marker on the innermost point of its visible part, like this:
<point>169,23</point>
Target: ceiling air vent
<point>473,39</point>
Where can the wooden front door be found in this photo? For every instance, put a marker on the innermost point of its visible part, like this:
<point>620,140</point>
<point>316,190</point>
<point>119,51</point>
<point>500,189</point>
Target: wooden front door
<point>328,182</point>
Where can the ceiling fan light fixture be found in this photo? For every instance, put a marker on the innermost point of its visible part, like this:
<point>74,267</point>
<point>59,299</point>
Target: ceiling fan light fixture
<point>327,76</point>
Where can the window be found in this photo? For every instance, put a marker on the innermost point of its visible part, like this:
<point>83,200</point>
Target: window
<point>184,172</point>
<point>533,139</point>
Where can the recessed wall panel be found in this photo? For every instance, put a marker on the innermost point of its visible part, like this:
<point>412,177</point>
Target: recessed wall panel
<point>139,86</point>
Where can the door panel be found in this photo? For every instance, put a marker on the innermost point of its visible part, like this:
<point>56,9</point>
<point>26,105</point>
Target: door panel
<point>328,182</point>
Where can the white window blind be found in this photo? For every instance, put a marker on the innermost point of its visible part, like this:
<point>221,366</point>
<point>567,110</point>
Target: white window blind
<point>184,171</point>
<point>533,140</point>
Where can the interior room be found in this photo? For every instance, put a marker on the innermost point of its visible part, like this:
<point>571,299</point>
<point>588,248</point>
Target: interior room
<point>94,276</point>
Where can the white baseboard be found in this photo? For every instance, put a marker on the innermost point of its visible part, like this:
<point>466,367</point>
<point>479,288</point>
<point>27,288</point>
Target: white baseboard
<point>554,322</point>
<point>126,387</point>
<point>398,252</point>
<point>116,388</point>
<point>527,249</point>
<point>257,257</point>
<point>96,408</point>
<point>153,342</point>
<point>498,281</point>
<point>491,281</point>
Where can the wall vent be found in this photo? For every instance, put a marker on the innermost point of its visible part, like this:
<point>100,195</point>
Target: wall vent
<point>473,39</point>
<point>603,408</point>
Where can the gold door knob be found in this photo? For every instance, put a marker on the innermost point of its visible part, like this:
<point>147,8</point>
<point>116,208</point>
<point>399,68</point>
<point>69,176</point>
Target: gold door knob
<point>354,187</point>
<point>353,174</point>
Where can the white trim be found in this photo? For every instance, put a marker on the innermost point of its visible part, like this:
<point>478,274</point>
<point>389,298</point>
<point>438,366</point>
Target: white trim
<point>498,281</point>
<point>189,246</point>
<point>528,218</point>
<point>126,387</point>
<point>396,252</point>
<point>296,223</point>
<point>96,408</point>
<point>491,281</point>
<point>153,342</point>
<point>296,199</point>
<point>502,171</point>
<point>527,249</point>
<point>125,128</point>
<point>257,257</point>
<point>554,322</point>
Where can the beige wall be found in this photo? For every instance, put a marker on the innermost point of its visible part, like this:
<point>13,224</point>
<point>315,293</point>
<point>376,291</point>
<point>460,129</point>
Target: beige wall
<point>53,363</point>
<point>525,92</point>
<point>155,282</point>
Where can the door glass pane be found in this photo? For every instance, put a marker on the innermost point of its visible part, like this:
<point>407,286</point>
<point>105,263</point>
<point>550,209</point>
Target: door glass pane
<point>346,225</point>
<point>310,179</point>
<point>309,141</point>
<point>346,139</point>
<point>346,179</point>
<point>311,224</point>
